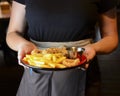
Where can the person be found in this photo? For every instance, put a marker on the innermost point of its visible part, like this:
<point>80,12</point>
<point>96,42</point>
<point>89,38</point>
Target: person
<point>64,21</point>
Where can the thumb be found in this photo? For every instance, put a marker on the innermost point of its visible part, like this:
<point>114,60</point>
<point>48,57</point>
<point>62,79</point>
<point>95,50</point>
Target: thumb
<point>20,55</point>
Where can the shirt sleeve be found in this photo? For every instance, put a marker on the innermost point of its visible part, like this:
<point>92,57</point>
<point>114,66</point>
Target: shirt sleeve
<point>105,5</point>
<point>20,1</point>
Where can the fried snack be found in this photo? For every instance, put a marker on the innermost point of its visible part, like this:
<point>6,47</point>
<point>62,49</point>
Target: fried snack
<point>61,50</point>
<point>71,62</point>
<point>36,52</point>
<point>50,58</point>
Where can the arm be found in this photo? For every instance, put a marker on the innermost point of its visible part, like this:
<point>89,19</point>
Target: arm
<point>15,31</point>
<point>108,29</point>
<point>109,40</point>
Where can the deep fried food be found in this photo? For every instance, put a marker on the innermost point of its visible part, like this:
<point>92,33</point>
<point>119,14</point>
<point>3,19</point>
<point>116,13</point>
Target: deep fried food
<point>71,62</point>
<point>50,58</point>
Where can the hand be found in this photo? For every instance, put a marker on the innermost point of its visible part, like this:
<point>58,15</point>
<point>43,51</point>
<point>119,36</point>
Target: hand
<point>89,53</point>
<point>25,48</point>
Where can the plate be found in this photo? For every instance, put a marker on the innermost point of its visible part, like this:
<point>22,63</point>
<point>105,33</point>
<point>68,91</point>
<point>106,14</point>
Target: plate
<point>81,65</point>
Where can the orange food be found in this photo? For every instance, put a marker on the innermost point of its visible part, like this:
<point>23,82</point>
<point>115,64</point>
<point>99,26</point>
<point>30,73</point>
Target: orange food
<point>71,62</point>
<point>50,58</point>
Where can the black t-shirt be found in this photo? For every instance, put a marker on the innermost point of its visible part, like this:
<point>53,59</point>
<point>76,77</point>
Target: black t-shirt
<point>63,20</point>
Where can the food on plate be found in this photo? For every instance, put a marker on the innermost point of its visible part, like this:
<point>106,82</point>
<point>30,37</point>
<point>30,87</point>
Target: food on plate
<point>50,58</point>
<point>71,62</point>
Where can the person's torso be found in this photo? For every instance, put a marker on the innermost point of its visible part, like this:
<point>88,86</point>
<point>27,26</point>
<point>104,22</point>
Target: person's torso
<point>63,20</point>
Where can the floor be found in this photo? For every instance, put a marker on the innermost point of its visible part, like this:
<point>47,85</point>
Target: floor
<point>109,65</point>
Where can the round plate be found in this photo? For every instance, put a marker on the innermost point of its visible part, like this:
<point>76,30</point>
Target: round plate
<point>81,65</point>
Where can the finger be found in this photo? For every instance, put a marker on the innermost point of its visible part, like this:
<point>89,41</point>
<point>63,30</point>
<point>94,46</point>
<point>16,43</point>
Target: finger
<point>20,54</point>
<point>20,57</point>
<point>86,66</point>
<point>21,64</point>
<point>87,56</point>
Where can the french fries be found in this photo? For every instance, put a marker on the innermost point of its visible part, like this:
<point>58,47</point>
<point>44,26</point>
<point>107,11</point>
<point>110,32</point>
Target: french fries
<point>45,60</point>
